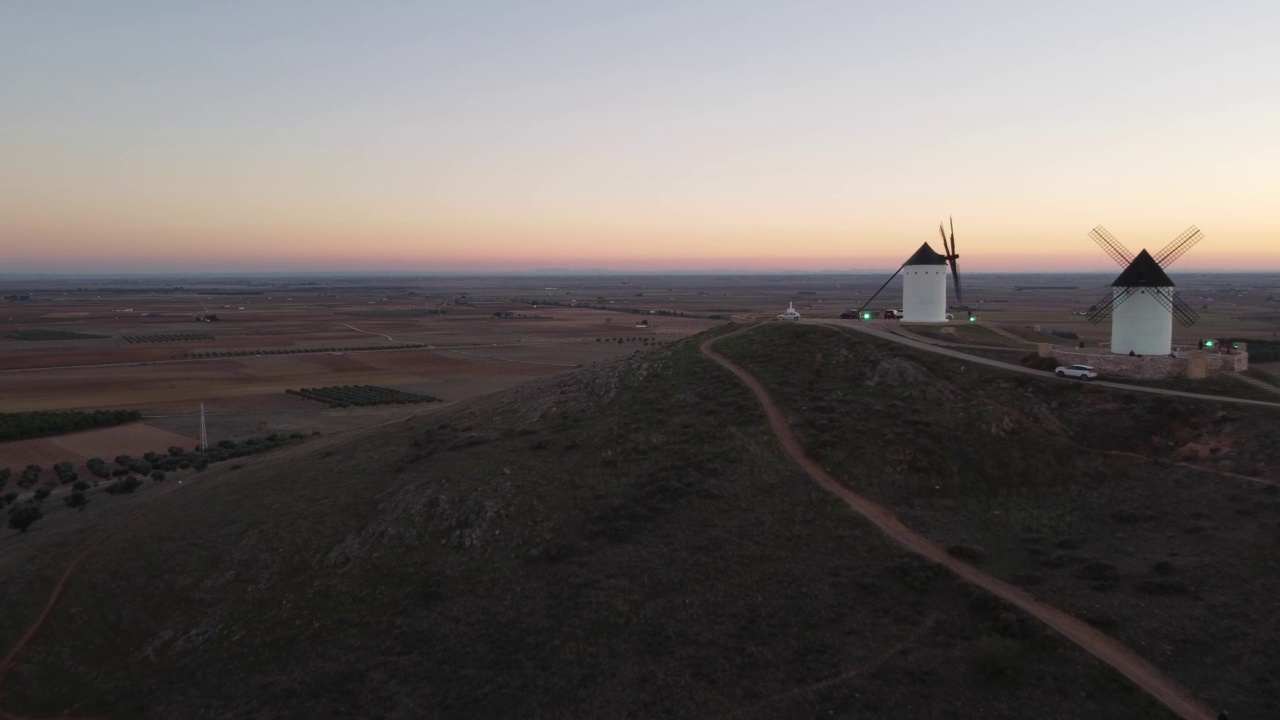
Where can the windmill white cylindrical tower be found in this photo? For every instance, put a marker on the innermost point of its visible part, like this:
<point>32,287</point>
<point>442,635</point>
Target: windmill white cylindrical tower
<point>1142,324</point>
<point>924,287</point>
<point>1141,321</point>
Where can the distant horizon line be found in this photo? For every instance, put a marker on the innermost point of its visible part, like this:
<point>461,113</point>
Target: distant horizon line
<point>541,272</point>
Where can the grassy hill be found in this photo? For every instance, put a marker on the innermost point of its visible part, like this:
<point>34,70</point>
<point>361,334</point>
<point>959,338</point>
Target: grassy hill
<point>1134,511</point>
<point>622,541</point>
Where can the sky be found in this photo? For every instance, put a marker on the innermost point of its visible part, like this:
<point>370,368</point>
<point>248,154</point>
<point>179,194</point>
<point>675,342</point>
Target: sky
<point>504,136</point>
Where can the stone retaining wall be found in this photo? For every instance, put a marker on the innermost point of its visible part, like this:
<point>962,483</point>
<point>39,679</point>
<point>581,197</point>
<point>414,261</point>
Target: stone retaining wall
<point>1152,367</point>
<point>1235,362</point>
<point>1147,367</point>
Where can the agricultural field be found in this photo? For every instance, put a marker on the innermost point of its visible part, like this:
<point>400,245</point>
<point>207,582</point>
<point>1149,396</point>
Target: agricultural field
<point>167,337</point>
<point>45,335</point>
<point>237,346</point>
<point>296,351</point>
<point>240,343</point>
<point>392,313</point>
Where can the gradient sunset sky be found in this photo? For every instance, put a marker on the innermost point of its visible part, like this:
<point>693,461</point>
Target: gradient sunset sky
<point>423,136</point>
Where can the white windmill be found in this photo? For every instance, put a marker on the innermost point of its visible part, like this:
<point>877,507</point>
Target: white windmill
<point>924,282</point>
<point>1142,303</point>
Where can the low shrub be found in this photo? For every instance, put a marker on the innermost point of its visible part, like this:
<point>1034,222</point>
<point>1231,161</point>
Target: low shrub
<point>1000,658</point>
<point>362,395</point>
<point>1035,362</point>
<point>124,486</point>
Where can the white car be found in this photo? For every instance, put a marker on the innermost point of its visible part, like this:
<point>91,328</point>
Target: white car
<point>1080,372</point>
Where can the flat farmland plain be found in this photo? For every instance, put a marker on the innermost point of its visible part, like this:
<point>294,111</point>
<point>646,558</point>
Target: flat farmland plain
<point>156,347</point>
<point>480,334</point>
<point>120,386</point>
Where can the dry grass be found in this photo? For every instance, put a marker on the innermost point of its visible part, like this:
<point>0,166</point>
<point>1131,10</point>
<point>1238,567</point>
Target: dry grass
<point>626,541</point>
<point>1069,489</point>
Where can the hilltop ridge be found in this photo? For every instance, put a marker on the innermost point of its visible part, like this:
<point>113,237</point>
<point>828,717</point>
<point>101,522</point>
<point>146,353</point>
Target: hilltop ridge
<point>623,540</point>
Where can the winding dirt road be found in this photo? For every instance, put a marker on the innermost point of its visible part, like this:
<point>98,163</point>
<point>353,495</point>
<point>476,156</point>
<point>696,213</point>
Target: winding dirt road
<point>1090,639</point>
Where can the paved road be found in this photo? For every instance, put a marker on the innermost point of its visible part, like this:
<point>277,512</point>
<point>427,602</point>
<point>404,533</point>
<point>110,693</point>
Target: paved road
<point>1090,639</point>
<point>870,329</point>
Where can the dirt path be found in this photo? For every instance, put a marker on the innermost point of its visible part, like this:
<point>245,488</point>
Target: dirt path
<point>11,658</point>
<point>370,332</point>
<point>1089,638</point>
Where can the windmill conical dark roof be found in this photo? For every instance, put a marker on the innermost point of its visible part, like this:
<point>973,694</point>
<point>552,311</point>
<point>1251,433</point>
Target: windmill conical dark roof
<point>1144,271</point>
<point>926,256</point>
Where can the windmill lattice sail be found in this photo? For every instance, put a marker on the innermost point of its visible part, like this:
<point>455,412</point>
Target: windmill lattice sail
<point>1183,313</point>
<point>1179,246</point>
<point>1111,246</point>
<point>952,255</point>
<point>1102,309</point>
<point>1177,307</point>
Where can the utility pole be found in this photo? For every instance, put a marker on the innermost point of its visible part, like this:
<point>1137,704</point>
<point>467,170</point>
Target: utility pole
<point>204,433</point>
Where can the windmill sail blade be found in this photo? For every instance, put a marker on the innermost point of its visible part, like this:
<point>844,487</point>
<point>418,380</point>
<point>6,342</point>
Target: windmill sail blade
<point>1178,246</point>
<point>952,255</point>
<point>1111,246</point>
<point>1183,312</point>
<point>1165,300</point>
<point>945,247</point>
<point>1176,307</point>
<point>1103,309</point>
<point>877,292</point>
